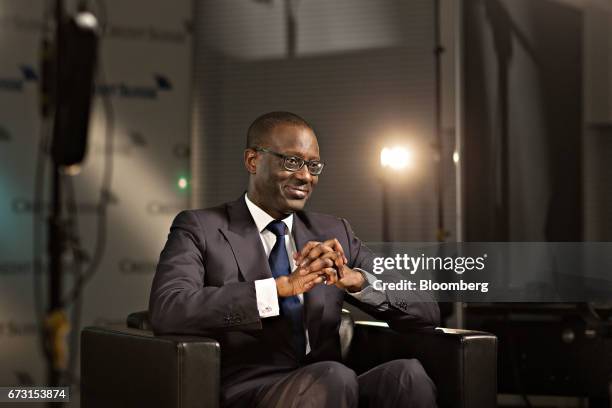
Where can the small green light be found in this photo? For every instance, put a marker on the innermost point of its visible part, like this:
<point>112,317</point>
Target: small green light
<point>182,183</point>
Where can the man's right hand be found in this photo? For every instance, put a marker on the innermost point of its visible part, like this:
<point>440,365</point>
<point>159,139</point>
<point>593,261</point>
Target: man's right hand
<point>299,281</point>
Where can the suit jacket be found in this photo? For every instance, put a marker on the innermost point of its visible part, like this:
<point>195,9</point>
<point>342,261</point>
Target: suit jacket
<point>204,285</point>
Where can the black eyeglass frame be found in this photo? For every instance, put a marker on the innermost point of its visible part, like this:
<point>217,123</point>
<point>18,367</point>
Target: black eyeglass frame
<point>301,160</point>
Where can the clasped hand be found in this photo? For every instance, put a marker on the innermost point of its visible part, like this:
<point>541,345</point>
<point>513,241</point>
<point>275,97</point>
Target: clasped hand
<point>317,263</point>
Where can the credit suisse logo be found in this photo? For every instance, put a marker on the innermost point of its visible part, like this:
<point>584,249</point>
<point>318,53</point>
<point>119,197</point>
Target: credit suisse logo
<point>158,84</point>
<point>18,81</point>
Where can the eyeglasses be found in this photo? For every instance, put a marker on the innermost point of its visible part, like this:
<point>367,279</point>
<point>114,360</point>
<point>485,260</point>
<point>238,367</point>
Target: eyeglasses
<point>294,163</point>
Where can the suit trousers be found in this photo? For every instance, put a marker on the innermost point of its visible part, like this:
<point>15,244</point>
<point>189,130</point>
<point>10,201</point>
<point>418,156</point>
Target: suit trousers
<point>397,383</point>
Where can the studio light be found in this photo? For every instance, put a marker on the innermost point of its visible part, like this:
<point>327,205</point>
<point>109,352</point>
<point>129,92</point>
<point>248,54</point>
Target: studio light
<point>86,20</point>
<point>397,157</point>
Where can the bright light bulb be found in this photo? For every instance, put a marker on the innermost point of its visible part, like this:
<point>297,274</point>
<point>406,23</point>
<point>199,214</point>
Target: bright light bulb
<point>456,157</point>
<point>85,19</point>
<point>396,157</point>
<point>182,183</point>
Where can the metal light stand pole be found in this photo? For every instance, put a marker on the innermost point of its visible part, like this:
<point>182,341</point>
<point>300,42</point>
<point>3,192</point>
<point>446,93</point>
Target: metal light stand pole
<point>55,321</point>
<point>441,232</point>
<point>386,207</point>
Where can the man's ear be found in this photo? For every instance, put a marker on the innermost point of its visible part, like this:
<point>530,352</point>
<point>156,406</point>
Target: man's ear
<point>250,161</point>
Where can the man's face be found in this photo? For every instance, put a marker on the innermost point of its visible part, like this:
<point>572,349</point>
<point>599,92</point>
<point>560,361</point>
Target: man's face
<point>278,191</point>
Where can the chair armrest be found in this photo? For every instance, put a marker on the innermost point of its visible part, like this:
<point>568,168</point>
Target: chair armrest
<point>462,363</point>
<point>123,367</point>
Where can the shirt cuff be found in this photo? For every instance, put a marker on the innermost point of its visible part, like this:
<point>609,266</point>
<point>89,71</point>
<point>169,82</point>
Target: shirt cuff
<point>267,297</point>
<point>367,286</point>
<point>369,294</point>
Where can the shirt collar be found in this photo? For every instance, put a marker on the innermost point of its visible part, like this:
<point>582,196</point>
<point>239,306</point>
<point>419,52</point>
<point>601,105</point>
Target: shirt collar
<point>262,218</point>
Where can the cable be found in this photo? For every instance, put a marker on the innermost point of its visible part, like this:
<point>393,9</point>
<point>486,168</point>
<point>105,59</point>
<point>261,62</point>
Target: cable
<point>104,200</point>
<point>73,239</point>
<point>38,205</point>
<point>38,209</point>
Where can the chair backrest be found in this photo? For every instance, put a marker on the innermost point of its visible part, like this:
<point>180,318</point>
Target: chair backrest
<point>140,320</point>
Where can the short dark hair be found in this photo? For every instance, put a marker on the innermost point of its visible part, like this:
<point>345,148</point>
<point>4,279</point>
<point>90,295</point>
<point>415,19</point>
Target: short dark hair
<point>261,127</point>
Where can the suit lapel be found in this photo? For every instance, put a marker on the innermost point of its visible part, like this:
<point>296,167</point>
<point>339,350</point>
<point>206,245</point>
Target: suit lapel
<point>314,300</point>
<point>243,237</point>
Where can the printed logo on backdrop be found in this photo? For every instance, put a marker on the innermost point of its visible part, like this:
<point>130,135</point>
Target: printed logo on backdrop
<point>21,23</point>
<point>15,268</point>
<point>15,328</point>
<point>22,205</point>
<point>137,266</point>
<point>5,136</point>
<point>16,82</point>
<point>177,35</point>
<point>149,33</point>
<point>135,141</point>
<point>158,85</point>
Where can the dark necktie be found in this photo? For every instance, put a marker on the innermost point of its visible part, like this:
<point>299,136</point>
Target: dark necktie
<point>290,306</point>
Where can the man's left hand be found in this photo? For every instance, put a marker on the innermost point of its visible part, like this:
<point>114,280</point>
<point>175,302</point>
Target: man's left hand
<point>350,280</point>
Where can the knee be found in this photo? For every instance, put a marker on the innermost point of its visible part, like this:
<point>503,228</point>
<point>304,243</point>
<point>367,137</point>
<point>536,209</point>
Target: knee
<point>336,374</point>
<point>413,376</point>
<point>407,366</point>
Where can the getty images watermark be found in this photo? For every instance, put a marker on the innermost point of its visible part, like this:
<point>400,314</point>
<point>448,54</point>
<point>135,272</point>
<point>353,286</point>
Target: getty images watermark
<point>412,264</point>
<point>496,271</point>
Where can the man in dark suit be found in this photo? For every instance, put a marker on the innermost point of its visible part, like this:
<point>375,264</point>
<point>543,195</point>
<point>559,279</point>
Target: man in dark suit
<point>268,280</point>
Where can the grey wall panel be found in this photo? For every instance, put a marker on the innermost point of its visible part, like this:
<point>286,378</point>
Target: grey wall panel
<point>359,95</point>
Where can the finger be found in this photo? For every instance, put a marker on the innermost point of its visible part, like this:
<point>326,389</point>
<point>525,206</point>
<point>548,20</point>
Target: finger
<point>301,271</point>
<point>330,275</point>
<point>309,285</point>
<point>304,251</point>
<point>313,280</point>
<point>335,244</point>
<point>340,272</point>
<point>336,257</point>
<point>307,281</point>
<point>320,263</point>
<point>315,253</point>
<point>318,280</point>
<point>309,277</point>
<point>318,251</point>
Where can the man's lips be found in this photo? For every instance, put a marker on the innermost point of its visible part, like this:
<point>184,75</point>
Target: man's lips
<point>297,192</point>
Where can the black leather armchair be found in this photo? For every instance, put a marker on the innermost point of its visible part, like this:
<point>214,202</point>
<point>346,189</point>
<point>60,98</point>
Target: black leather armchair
<point>131,367</point>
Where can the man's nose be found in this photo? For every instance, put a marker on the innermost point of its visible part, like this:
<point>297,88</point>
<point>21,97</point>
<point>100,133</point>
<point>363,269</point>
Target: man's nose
<point>303,174</point>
